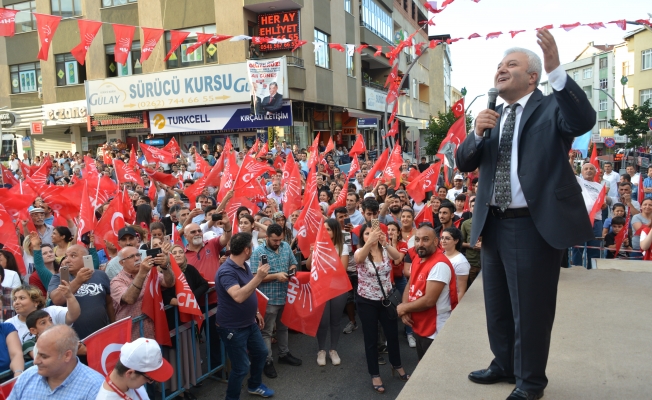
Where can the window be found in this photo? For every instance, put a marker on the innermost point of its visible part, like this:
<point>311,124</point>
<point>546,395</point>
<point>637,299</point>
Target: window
<point>646,59</point>
<point>350,67</point>
<point>576,75</point>
<point>603,62</point>
<point>414,10</point>
<point>603,105</point>
<point>321,55</point>
<point>206,54</point>
<point>111,3</point>
<point>132,67</point>
<point>25,78</point>
<point>588,90</point>
<point>347,6</point>
<point>25,21</point>
<point>603,83</point>
<point>588,73</point>
<point>415,88</point>
<point>68,70</point>
<point>645,96</point>
<point>625,68</point>
<point>405,5</point>
<point>377,20</point>
<point>66,8</point>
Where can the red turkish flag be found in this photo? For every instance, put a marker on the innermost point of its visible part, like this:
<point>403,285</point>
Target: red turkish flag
<point>154,154</point>
<point>595,25</point>
<point>425,215</point>
<point>328,278</point>
<point>309,222</point>
<point>7,22</point>
<point>124,174</point>
<point>8,177</point>
<point>336,46</point>
<point>127,207</point>
<point>176,38</point>
<point>434,43</point>
<point>458,108</point>
<point>87,31</point>
<point>124,36</point>
<point>379,51</point>
<point>187,302</point>
<point>569,27</point>
<point>87,220</point>
<point>194,190</point>
<point>292,183</point>
<point>595,162</point>
<point>341,199</point>
<point>355,167</point>
<point>622,23</point>
<point>262,302</point>
<point>173,148</point>
<point>250,170</point>
<point>150,37</point>
<point>264,149</point>
<point>297,44</point>
<point>379,165</point>
<point>301,313</point>
<point>514,33</point>
<point>103,346</point>
<point>358,147</point>
<point>425,182</point>
<point>153,307</point>
<point>597,206</point>
<point>456,135</point>
<point>493,35</point>
<point>175,238</point>
<point>9,239</point>
<point>111,222</point>
<point>46,25</point>
<point>360,48</point>
<point>278,161</point>
<point>620,237</point>
<point>206,38</point>
<point>162,177</point>
<point>393,168</point>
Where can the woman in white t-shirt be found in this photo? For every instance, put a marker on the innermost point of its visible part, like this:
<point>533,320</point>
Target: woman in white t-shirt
<point>451,242</point>
<point>246,224</point>
<point>29,298</point>
<point>330,320</point>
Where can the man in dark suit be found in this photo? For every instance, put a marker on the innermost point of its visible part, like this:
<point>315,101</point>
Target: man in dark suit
<point>271,103</point>
<point>526,222</point>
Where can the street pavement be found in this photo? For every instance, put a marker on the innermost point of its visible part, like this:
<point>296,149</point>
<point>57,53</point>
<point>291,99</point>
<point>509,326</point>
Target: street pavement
<point>349,380</point>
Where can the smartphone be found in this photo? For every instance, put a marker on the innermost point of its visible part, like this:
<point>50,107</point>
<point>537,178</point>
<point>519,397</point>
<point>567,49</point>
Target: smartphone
<point>153,253</point>
<point>88,262</point>
<point>347,237</point>
<point>375,224</point>
<point>198,205</point>
<point>263,259</point>
<point>347,221</point>
<point>292,272</point>
<point>168,238</point>
<point>64,273</point>
<point>217,217</point>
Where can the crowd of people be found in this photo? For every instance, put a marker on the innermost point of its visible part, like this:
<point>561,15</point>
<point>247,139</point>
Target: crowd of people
<point>389,245</point>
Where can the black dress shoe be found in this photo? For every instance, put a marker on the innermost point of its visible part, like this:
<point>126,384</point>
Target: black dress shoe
<point>520,394</point>
<point>489,377</point>
<point>269,370</point>
<point>290,360</point>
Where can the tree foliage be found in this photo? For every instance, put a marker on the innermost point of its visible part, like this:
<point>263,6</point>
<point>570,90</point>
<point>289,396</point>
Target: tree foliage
<point>438,128</point>
<point>634,123</point>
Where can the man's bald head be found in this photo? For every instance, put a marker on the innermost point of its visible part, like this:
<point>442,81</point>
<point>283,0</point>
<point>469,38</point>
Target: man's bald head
<point>193,234</point>
<point>74,258</point>
<point>62,337</point>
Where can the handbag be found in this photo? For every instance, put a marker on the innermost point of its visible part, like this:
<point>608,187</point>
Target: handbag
<point>391,300</point>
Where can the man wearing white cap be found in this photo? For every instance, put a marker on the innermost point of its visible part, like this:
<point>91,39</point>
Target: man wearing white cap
<point>140,362</point>
<point>458,188</point>
<point>44,230</point>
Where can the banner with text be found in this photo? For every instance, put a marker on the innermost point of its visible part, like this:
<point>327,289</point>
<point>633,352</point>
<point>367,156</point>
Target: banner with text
<point>267,79</point>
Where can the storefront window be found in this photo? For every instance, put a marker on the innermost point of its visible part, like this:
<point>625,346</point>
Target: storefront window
<point>68,70</point>
<point>206,54</point>
<point>132,66</point>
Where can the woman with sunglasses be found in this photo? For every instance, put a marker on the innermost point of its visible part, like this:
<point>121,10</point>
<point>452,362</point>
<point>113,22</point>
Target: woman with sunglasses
<point>372,263</point>
<point>451,243</point>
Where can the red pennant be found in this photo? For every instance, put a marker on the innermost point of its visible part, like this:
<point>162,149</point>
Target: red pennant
<point>379,51</point>
<point>514,33</point>
<point>301,313</point>
<point>595,25</point>
<point>173,148</point>
<point>176,38</point>
<point>330,146</point>
<point>228,175</point>
<point>545,27</point>
<point>150,37</point>
<point>360,48</point>
<point>86,214</point>
<point>204,38</point>
<point>569,27</point>
<point>151,192</point>
<point>355,167</point>
<point>473,36</point>
<point>46,26</point>
<point>425,182</point>
<point>434,43</point>
<point>87,32</point>
<point>451,41</point>
<point>446,2</point>
<point>621,23</point>
<point>358,147</point>
<point>644,22</point>
<point>110,224</point>
<point>124,174</point>
<point>378,166</point>
<point>419,47</point>
<point>597,206</point>
<point>297,44</point>
<point>9,239</point>
<point>328,278</point>
<point>154,154</point>
<point>336,46</point>
<point>393,130</point>
<point>152,306</point>
<point>124,36</point>
<point>493,35</point>
<point>7,22</point>
<point>103,346</point>
<point>292,184</point>
<point>133,159</point>
<point>620,237</point>
<point>458,108</point>
<point>308,222</point>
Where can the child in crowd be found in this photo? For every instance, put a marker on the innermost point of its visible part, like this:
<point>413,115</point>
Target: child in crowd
<point>38,322</point>
<point>617,224</point>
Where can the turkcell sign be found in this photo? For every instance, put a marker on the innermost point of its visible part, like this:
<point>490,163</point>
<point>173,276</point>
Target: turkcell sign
<point>233,116</point>
<point>185,87</point>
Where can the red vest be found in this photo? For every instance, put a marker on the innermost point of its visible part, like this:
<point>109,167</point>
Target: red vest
<point>425,322</point>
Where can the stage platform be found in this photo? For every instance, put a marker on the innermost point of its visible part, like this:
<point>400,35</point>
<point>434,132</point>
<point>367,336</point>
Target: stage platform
<point>601,341</point>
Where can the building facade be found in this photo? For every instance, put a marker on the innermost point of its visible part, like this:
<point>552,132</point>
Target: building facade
<point>327,92</point>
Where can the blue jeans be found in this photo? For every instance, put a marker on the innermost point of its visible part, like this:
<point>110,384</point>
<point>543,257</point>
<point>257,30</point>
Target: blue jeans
<point>248,354</point>
<point>590,253</point>
<point>401,283</point>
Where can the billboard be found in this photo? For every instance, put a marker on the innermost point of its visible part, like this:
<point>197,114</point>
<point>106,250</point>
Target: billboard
<point>280,25</point>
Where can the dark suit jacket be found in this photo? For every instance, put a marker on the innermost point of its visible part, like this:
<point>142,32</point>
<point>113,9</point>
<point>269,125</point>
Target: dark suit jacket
<point>266,106</point>
<point>547,128</point>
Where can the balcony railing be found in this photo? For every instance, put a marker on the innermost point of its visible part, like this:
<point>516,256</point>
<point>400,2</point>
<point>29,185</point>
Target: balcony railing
<point>295,61</point>
<point>374,85</point>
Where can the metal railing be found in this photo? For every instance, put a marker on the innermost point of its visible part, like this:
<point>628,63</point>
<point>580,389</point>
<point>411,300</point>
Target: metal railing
<point>176,363</point>
<point>373,85</point>
<point>636,256</point>
<point>296,61</point>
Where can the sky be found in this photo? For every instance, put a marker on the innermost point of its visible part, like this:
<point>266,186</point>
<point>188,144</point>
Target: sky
<point>474,61</point>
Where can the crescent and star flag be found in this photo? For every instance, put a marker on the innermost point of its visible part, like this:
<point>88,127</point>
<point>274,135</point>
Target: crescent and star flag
<point>87,32</point>
<point>153,307</point>
<point>358,147</point>
<point>46,25</point>
<point>620,237</point>
<point>458,108</point>
<point>110,224</point>
<point>425,182</point>
<point>154,154</point>
<point>173,148</point>
<point>124,174</point>
<point>597,206</point>
<point>87,220</point>
<point>176,38</point>
<point>124,36</point>
<point>10,240</point>
<point>103,346</point>
<point>7,22</point>
<point>328,277</point>
<point>291,182</point>
<point>301,313</point>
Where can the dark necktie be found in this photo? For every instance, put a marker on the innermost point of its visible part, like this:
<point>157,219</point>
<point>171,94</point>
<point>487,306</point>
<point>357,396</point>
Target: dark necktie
<point>503,187</point>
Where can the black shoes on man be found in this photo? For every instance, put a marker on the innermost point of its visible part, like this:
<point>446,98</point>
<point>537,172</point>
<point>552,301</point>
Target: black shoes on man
<point>289,359</point>
<point>489,377</point>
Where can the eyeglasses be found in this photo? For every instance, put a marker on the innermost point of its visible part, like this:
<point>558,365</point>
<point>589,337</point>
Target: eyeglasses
<point>136,255</point>
<point>149,380</point>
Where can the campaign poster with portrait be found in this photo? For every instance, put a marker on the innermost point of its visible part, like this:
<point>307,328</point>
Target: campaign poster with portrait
<point>267,78</point>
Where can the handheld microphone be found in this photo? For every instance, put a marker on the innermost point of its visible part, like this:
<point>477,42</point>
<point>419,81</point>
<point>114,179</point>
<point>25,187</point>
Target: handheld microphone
<point>491,104</point>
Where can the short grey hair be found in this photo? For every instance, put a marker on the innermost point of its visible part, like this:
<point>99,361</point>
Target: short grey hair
<point>533,61</point>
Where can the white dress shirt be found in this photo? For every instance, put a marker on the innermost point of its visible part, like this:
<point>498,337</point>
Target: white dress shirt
<point>557,79</point>
<point>613,178</point>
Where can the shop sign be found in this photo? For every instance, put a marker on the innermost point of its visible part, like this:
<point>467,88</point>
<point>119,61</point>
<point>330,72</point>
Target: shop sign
<point>280,25</point>
<point>184,87</point>
<point>348,131</point>
<point>596,138</point>
<point>71,112</point>
<point>367,122</point>
<point>111,122</point>
<point>36,127</point>
<point>7,119</point>
<point>375,100</point>
<point>234,116</point>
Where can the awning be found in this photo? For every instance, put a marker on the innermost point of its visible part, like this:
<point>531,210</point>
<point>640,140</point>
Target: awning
<point>353,113</point>
<point>412,122</point>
